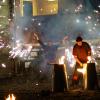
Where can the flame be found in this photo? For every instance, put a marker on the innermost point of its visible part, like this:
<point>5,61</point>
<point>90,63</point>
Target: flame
<point>82,70</point>
<point>89,59</point>
<point>11,97</point>
<point>61,60</point>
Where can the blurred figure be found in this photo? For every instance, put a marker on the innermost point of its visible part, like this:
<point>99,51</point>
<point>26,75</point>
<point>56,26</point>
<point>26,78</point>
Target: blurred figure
<point>81,51</point>
<point>49,56</point>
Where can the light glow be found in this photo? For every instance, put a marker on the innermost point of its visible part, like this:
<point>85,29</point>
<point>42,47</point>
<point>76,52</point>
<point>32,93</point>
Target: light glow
<point>3,65</point>
<point>11,97</point>
<point>61,60</point>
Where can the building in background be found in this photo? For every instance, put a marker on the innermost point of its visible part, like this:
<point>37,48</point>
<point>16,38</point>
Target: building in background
<point>38,7</point>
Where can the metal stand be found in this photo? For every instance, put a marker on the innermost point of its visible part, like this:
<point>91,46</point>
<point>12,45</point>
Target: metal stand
<point>59,78</point>
<point>90,77</point>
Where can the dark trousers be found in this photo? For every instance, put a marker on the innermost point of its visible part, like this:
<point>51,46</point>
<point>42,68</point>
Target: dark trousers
<point>77,79</point>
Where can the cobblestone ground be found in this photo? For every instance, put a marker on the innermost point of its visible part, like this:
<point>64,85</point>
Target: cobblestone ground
<point>47,95</point>
<point>25,88</point>
<point>33,86</point>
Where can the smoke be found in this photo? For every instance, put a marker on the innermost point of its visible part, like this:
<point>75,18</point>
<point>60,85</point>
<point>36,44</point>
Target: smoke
<point>72,19</point>
<point>75,17</point>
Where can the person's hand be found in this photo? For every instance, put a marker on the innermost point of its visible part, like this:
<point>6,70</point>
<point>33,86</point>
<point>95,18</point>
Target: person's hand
<point>65,38</point>
<point>36,36</point>
<point>81,64</point>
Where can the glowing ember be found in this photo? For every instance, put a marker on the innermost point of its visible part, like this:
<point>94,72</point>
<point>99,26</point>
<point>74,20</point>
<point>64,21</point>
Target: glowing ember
<point>61,60</point>
<point>3,65</point>
<point>11,97</point>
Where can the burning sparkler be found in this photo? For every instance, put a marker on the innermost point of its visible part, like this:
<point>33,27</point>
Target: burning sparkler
<point>20,50</point>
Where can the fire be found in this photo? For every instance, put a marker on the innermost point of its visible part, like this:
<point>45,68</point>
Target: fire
<point>83,70</point>
<point>61,60</point>
<point>89,59</point>
<point>11,97</point>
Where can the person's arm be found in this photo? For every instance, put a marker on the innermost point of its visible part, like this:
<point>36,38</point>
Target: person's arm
<point>75,51</point>
<point>41,43</point>
<point>78,61</point>
<point>89,50</point>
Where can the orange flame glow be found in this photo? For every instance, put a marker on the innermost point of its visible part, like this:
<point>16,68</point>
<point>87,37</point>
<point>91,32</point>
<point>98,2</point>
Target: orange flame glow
<point>11,97</point>
<point>82,70</point>
<point>61,60</point>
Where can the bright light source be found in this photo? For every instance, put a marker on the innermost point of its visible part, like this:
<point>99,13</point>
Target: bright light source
<point>3,1</point>
<point>51,10</point>
<point>37,84</point>
<point>51,0</point>
<point>9,19</point>
<point>3,65</point>
<point>61,60</point>
<point>83,70</point>
<point>89,17</point>
<point>11,97</point>
<point>39,24</point>
<point>77,20</point>
<point>0,7</point>
<point>33,19</point>
<point>99,6</point>
<point>2,32</point>
<point>96,11</point>
<point>95,24</point>
<point>26,28</point>
<point>89,59</point>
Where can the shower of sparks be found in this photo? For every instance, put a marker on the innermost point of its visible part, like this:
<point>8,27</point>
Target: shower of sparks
<point>70,57</point>
<point>20,50</point>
